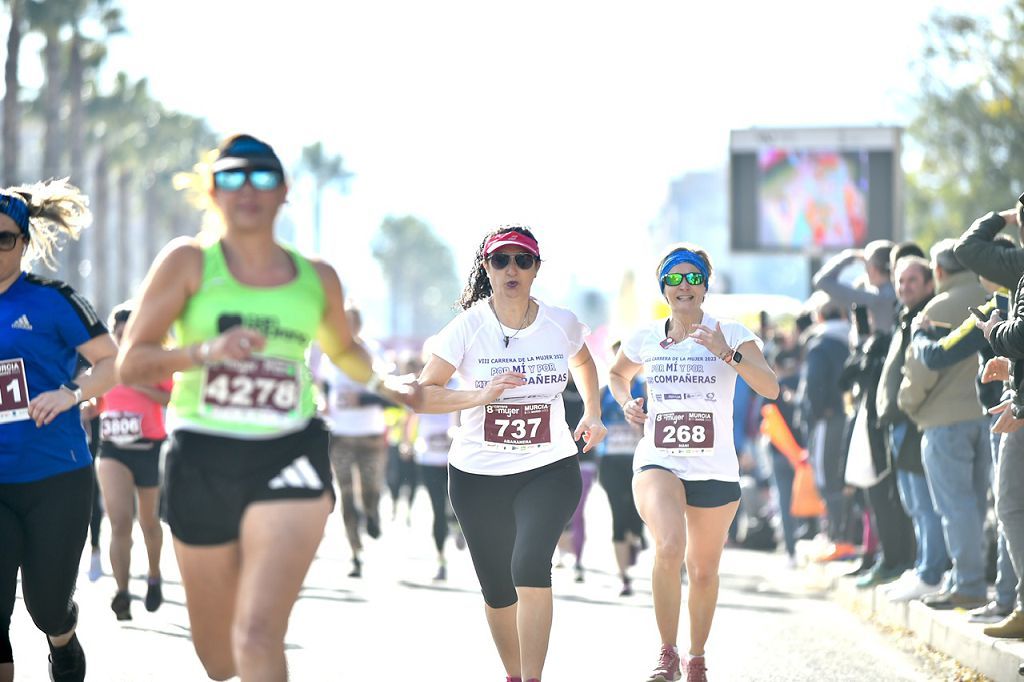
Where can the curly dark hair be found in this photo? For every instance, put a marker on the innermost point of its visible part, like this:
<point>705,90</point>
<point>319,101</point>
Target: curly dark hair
<point>478,287</point>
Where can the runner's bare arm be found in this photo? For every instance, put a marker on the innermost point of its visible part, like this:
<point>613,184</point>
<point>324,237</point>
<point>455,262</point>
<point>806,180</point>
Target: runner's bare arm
<point>172,279</point>
<point>335,337</point>
<point>755,371</point>
<point>620,376</point>
<point>438,399</point>
<point>96,381</point>
<point>584,373</point>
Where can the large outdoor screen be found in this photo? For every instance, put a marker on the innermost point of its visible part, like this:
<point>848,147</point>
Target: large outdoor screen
<point>813,190</point>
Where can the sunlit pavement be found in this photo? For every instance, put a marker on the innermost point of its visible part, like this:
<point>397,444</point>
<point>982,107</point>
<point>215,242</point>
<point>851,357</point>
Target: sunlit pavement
<point>396,624</point>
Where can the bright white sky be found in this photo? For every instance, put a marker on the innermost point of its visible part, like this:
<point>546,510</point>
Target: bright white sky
<point>572,117</point>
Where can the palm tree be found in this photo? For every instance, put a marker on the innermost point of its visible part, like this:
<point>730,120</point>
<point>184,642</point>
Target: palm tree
<point>49,18</point>
<point>325,169</point>
<point>86,53</point>
<point>12,119</point>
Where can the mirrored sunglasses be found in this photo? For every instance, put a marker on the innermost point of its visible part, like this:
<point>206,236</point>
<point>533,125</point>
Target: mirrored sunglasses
<point>674,279</point>
<point>233,180</point>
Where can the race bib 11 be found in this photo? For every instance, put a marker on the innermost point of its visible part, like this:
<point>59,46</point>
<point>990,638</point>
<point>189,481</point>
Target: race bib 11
<point>13,391</point>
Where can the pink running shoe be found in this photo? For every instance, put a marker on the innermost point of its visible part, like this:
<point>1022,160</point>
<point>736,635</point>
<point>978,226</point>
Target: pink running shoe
<point>668,666</point>
<point>696,671</point>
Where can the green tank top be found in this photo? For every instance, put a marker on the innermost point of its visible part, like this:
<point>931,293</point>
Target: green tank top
<point>271,393</point>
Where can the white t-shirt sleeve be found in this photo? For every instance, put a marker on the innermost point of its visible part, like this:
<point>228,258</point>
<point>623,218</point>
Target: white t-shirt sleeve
<point>575,332</point>
<point>450,343</point>
<point>631,348</point>
<point>736,335</point>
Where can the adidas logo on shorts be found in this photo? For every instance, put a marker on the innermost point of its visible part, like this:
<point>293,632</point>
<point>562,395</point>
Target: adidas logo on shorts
<point>299,474</point>
<point>22,323</point>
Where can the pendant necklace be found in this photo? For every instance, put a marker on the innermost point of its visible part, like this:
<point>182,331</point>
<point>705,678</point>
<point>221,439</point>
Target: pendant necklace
<point>668,340</point>
<point>522,325</point>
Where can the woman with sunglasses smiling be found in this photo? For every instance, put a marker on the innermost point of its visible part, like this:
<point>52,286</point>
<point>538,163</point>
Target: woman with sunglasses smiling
<point>514,479</point>
<point>46,479</point>
<point>248,477</point>
<point>686,474</point>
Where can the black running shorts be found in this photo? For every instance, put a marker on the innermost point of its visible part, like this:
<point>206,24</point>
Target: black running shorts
<point>212,479</point>
<point>143,460</point>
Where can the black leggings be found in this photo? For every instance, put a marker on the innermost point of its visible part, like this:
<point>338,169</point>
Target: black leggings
<point>43,525</point>
<point>435,478</point>
<point>615,473</point>
<point>512,524</point>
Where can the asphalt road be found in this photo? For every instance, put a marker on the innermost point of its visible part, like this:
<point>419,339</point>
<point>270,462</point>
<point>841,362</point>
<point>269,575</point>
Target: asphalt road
<point>773,623</point>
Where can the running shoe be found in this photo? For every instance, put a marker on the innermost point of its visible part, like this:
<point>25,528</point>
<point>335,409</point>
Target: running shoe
<point>990,613</point>
<point>442,574</point>
<point>837,552</point>
<point>696,671</point>
<point>373,526</point>
<point>357,569</point>
<point>121,605</point>
<point>578,568</point>
<point>667,669</point>
<point>95,566</point>
<point>67,663</point>
<point>627,588</point>
<point>154,594</point>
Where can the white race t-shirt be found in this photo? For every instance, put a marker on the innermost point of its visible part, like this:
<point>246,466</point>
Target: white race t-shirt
<point>524,429</point>
<point>345,416</point>
<point>434,439</point>
<point>689,403</point>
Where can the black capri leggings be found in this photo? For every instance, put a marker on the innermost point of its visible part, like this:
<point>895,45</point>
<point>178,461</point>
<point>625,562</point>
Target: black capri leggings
<point>512,524</point>
<point>435,478</point>
<point>43,525</point>
<point>615,473</point>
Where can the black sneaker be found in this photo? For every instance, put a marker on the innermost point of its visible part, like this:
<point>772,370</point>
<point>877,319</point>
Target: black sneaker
<point>627,588</point>
<point>357,569</point>
<point>154,595</point>
<point>67,663</point>
<point>580,577</point>
<point>121,605</point>
<point>373,526</point>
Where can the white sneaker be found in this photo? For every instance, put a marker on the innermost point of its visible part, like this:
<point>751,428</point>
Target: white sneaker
<point>909,577</point>
<point>911,590</point>
<point>95,567</point>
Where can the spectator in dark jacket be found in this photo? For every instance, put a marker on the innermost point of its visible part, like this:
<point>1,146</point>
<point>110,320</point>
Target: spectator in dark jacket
<point>1005,267</point>
<point>822,415</point>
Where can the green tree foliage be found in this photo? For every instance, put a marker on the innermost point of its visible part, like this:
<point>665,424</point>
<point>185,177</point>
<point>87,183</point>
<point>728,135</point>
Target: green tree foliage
<point>968,124</point>
<point>420,273</point>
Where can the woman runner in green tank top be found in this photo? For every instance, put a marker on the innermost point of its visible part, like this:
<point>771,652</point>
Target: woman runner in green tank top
<point>247,470</point>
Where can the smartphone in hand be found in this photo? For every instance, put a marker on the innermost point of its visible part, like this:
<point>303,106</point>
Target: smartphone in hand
<point>978,313</point>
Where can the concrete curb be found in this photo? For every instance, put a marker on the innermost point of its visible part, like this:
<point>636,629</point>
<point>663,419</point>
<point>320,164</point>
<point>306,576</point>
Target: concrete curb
<point>948,632</point>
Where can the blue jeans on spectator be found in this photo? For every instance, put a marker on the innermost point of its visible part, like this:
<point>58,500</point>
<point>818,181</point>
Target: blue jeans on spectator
<point>1006,577</point>
<point>958,467</point>
<point>782,476</point>
<point>932,557</point>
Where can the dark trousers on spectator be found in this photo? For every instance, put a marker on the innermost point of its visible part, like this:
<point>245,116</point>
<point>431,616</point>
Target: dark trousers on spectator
<point>895,530</point>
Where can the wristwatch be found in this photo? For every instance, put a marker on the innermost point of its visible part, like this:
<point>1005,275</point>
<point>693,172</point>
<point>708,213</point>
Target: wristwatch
<point>737,358</point>
<point>74,389</point>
